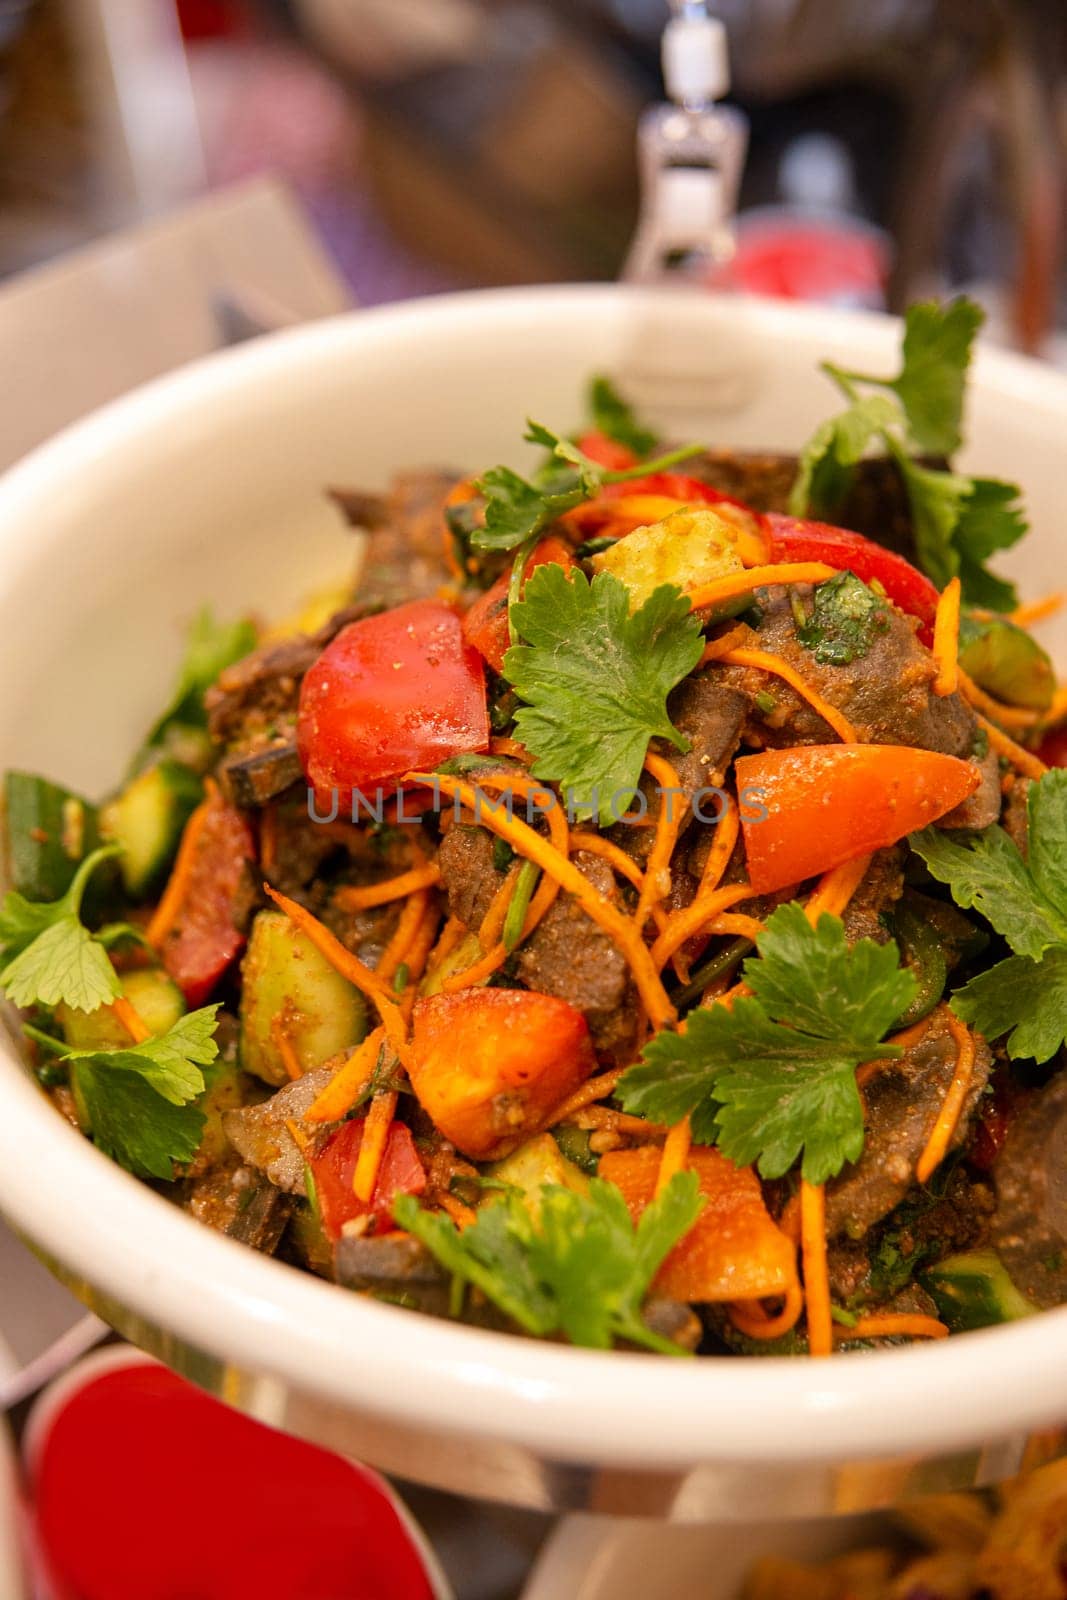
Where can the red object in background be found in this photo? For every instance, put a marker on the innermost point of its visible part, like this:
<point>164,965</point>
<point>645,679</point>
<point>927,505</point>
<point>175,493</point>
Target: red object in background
<point>1053,748</point>
<point>842,263</point>
<point>333,1169</point>
<point>209,19</point>
<point>147,1489</point>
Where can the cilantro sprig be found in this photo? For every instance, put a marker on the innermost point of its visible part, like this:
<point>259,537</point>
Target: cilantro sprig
<point>581,1268</point>
<point>959,521</point>
<point>1025,996</point>
<point>595,681</point>
<point>210,647</point>
<point>614,417</point>
<point>774,1077</point>
<point>50,956</point>
<point>517,510</point>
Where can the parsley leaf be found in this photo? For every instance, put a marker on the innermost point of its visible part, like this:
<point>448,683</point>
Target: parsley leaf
<point>936,354</point>
<point>833,450</point>
<point>210,647</point>
<point>959,523</point>
<point>775,1076</point>
<point>845,617</point>
<point>595,680</point>
<point>50,956</point>
<point>131,1123</point>
<point>170,1062</point>
<point>1025,996</point>
<point>614,418</point>
<point>581,1268</point>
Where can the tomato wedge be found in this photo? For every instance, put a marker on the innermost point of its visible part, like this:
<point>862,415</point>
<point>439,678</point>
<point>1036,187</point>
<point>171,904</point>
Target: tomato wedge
<point>332,1170</point>
<point>796,539</point>
<point>202,940</point>
<point>485,625</point>
<point>490,1064</point>
<point>827,804</point>
<point>734,1250</point>
<point>607,452</point>
<point>399,690</point>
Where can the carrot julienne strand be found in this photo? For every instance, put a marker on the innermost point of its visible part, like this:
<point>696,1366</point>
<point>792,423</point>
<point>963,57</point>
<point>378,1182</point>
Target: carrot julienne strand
<point>675,1154</point>
<point>416,957</point>
<point>657,879</point>
<point>952,1105</point>
<point>722,848</point>
<point>166,913</point>
<point>1006,716</point>
<point>372,1149</point>
<point>739,583</point>
<point>695,918</point>
<point>131,1020</point>
<point>284,1046</point>
<point>766,662</point>
<point>1037,610</point>
<point>348,1082</point>
<point>816,1271</point>
<point>592,1089</point>
<point>396,950</point>
<point>909,1325</point>
<point>555,865</point>
<point>492,924</point>
<point>453,932</point>
<point>835,889</point>
<point>360,897</point>
<point>736,924</point>
<point>715,649</point>
<point>749,1317</point>
<point>461,1214</point>
<point>1024,760</point>
<point>946,646</point>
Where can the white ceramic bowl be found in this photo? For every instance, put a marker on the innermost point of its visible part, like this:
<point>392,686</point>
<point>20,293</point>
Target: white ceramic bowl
<point>208,486</point>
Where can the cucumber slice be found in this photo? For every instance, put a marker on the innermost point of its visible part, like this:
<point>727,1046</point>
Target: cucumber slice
<point>155,997</point>
<point>285,978</point>
<point>147,819</point>
<point>535,1163</point>
<point>973,1290</point>
<point>1005,661</point>
<point>49,831</point>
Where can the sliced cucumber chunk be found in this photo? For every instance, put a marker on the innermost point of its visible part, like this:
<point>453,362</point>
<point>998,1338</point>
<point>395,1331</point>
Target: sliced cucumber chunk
<point>49,830</point>
<point>147,819</point>
<point>154,996</point>
<point>535,1163</point>
<point>1007,662</point>
<point>973,1290</point>
<point>289,987</point>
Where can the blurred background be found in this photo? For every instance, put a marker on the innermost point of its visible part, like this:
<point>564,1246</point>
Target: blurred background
<point>896,146</point>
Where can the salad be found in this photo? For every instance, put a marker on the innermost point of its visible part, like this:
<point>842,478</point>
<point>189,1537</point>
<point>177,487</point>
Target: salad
<point>633,913</point>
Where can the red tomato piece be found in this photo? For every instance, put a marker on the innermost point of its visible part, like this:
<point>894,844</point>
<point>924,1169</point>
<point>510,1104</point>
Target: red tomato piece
<point>485,625</point>
<point>333,1169</point>
<point>814,807</point>
<point>796,539</point>
<point>392,692</point>
<point>607,452</point>
<point>489,1065</point>
<point>203,940</point>
<point>677,486</point>
<point>1053,748</point>
<point>273,1516</point>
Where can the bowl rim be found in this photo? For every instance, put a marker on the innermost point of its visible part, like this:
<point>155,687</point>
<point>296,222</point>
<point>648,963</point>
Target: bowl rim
<point>382,1361</point>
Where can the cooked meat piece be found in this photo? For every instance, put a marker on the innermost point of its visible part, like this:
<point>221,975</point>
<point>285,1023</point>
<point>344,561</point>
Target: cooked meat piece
<point>465,858</point>
<point>1030,1228</point>
<point>672,1319</point>
<point>260,1136</point>
<point>982,808</point>
<point>879,890</point>
<point>902,1100</point>
<point>405,552</point>
<point>1016,817</point>
<point>259,690</point>
<point>236,1200</point>
<point>710,716</point>
<point>250,781</point>
<point>922,1232</point>
<point>394,1266</point>
<point>361,509</point>
<point>762,479</point>
<point>886,693</point>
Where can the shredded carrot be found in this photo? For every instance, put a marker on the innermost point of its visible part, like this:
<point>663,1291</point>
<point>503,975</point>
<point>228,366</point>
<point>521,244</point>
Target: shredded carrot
<point>131,1020</point>
<point>715,649</point>
<point>1038,610</point>
<point>816,1272</point>
<point>298,1136</point>
<point>1017,717</point>
<point>695,919</point>
<point>361,897</point>
<point>675,1153</point>
<point>596,845</point>
<point>492,924</point>
<point>593,1089</point>
<point>166,913</point>
<point>952,1105</point>
<point>395,952</point>
<point>1027,763</point>
<point>766,662</point>
<point>284,1046</point>
<point>946,647</point>
<point>835,889</point>
<point>417,956</point>
<point>453,932</point>
<point>657,880</point>
<point>499,746</point>
<point>461,1214</point>
<point>737,925</point>
<point>348,1082</point>
<point>726,831</point>
<point>554,864</point>
<point>789,1221</point>
<point>268,838</point>
<point>918,1030</point>
<point>738,991</point>
<point>749,1317</point>
<point>595,1116</point>
<point>908,1325</point>
<point>349,966</point>
<point>458,495</point>
<point>372,1149</point>
<point>738,583</point>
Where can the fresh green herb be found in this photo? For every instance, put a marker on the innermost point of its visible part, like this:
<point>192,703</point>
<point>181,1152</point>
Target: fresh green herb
<point>845,618</point>
<point>210,647</point>
<point>519,904</point>
<point>401,977</point>
<point>959,521</point>
<point>765,702</point>
<point>51,957</point>
<point>581,1268</point>
<point>503,854</point>
<point>595,681</point>
<point>776,1075</point>
<point>613,417</point>
<point>516,511</point>
<point>1025,996</point>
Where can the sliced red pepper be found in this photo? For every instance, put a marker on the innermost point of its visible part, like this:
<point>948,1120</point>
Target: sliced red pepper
<point>1053,748</point>
<point>796,539</point>
<point>489,1065</point>
<point>203,940</point>
<point>813,807</point>
<point>399,690</point>
<point>332,1171</point>
<point>485,625</point>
